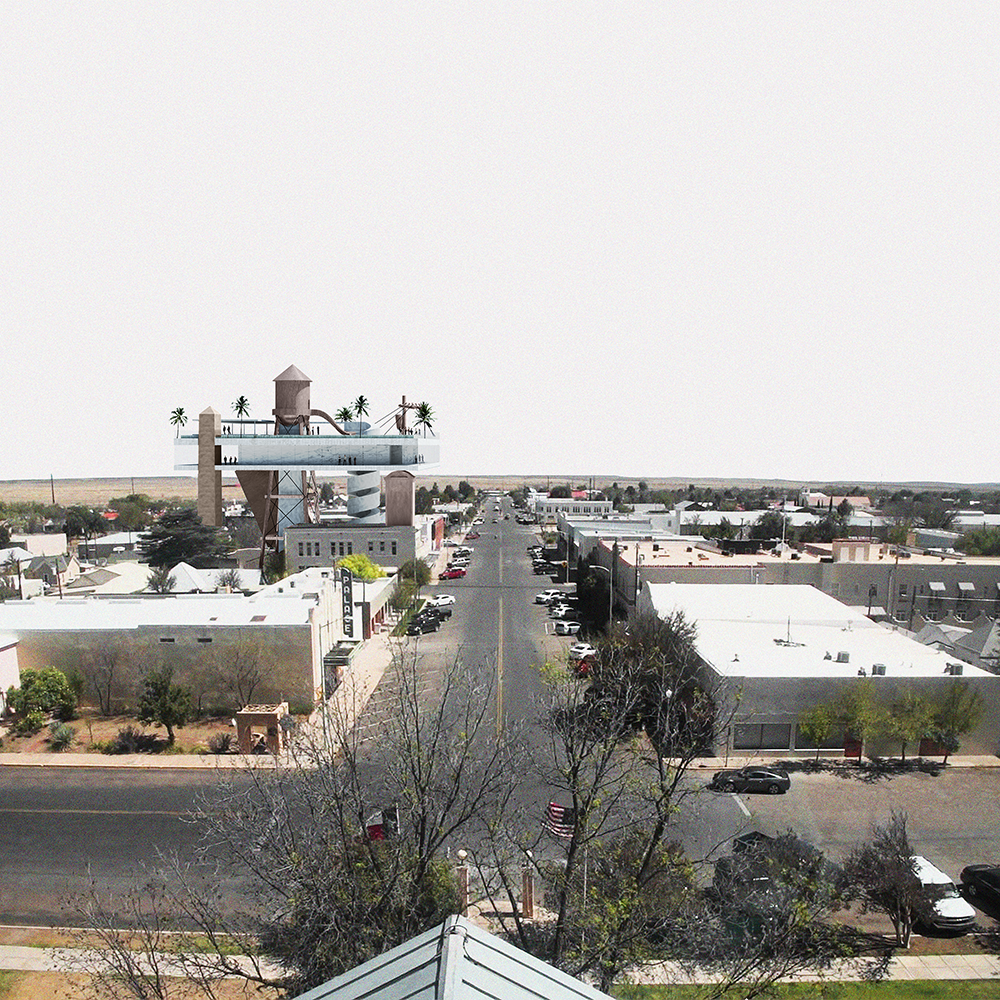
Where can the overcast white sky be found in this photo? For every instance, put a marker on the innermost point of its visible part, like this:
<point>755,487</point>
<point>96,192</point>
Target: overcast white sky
<point>631,239</point>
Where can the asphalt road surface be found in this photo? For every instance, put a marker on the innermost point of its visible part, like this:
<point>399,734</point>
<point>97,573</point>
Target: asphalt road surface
<point>59,827</point>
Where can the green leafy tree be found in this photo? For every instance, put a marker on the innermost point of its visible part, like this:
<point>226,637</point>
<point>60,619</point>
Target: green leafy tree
<point>344,415</point>
<point>163,702</point>
<point>82,522</point>
<point>416,570</point>
<point>46,691</point>
<point>423,502</point>
<point>326,493</point>
<point>770,524</point>
<point>179,536</point>
<point>361,566</point>
<point>560,493</point>
<point>860,712</point>
<point>981,542</point>
<point>826,529</point>
<point>133,512</point>
<point>909,719</point>
<point>817,724</point>
<point>424,417</point>
<point>178,418</point>
<point>4,536</point>
<point>956,714</point>
<point>241,408</point>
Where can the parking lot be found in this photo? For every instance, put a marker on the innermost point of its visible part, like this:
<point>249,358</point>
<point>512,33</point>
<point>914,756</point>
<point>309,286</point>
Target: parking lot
<point>952,817</point>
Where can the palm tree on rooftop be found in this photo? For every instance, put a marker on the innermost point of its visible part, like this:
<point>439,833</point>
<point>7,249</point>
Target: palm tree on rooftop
<point>178,418</point>
<point>361,410</point>
<point>344,416</point>
<point>424,417</point>
<point>241,408</point>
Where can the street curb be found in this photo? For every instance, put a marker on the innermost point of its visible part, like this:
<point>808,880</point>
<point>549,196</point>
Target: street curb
<point>178,762</point>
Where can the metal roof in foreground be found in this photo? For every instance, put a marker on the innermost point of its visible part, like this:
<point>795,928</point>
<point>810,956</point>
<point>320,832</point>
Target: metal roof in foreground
<point>454,961</point>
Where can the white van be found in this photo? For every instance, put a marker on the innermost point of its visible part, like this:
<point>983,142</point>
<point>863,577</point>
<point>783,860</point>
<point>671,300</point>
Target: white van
<point>944,908</point>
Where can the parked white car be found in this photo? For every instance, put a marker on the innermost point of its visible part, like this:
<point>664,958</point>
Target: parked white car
<point>581,650</point>
<point>441,600</point>
<point>567,628</point>
<point>547,596</point>
<point>943,908</point>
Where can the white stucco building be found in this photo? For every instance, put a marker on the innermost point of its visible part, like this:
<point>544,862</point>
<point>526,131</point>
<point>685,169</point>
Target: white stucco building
<point>770,652</point>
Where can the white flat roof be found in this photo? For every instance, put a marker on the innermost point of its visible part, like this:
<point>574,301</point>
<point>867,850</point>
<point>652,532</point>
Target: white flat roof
<point>786,631</point>
<point>79,614</point>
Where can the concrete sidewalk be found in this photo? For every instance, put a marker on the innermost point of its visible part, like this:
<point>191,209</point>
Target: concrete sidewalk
<point>908,967</point>
<point>22,958</point>
<point>228,761</point>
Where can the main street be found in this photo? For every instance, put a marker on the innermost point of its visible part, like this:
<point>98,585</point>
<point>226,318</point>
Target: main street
<point>59,827</point>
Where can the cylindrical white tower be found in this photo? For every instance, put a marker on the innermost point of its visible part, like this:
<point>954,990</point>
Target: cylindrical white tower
<point>363,495</point>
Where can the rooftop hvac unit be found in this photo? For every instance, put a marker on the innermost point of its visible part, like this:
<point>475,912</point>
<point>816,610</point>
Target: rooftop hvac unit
<point>955,669</point>
<point>878,670</point>
<point>843,657</point>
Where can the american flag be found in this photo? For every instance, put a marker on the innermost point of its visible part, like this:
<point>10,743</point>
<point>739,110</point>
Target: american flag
<point>559,820</point>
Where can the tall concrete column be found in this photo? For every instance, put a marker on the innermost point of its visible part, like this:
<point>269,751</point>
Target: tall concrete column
<point>209,478</point>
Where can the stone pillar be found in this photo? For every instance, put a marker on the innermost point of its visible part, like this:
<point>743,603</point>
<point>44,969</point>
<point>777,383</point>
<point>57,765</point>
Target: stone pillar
<point>209,478</point>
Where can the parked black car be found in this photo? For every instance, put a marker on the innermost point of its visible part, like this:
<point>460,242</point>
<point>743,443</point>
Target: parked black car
<point>427,617</point>
<point>418,626</point>
<point>752,779</point>
<point>982,881</point>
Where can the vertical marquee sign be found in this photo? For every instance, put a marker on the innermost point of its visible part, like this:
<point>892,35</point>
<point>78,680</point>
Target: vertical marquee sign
<point>347,593</point>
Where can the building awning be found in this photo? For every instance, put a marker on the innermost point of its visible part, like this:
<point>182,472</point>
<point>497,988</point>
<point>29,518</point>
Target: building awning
<point>936,586</point>
<point>966,586</point>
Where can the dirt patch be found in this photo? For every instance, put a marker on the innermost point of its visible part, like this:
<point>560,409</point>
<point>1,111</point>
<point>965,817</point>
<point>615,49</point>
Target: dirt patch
<point>92,728</point>
<point>62,986</point>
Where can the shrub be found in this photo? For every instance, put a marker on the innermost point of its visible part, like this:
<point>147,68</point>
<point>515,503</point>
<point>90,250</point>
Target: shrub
<point>29,724</point>
<point>131,739</point>
<point>46,690</point>
<point>220,743</point>
<point>61,736</point>
<point>164,702</point>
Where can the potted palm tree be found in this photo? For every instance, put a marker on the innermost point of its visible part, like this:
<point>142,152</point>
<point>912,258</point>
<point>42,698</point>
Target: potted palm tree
<point>424,417</point>
<point>178,418</point>
<point>241,408</point>
<point>360,410</point>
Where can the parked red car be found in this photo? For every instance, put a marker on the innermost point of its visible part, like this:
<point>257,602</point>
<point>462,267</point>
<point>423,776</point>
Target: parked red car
<point>472,535</point>
<point>452,574</point>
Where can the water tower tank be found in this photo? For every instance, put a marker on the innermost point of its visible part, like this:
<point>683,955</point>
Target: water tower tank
<point>291,394</point>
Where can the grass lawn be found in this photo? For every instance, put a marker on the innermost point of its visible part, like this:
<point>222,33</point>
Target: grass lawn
<point>926,989</point>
